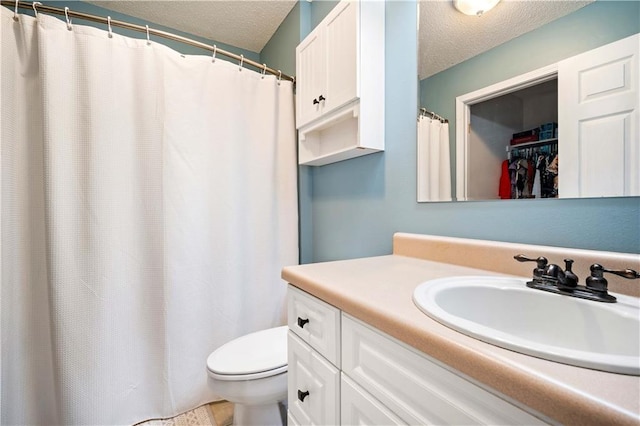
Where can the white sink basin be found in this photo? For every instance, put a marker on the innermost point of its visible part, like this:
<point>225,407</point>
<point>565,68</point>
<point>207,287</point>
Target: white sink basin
<point>504,312</point>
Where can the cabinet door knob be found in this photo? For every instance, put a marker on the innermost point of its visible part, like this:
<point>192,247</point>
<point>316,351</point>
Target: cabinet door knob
<point>302,322</point>
<point>315,101</point>
<point>302,395</point>
<point>322,98</point>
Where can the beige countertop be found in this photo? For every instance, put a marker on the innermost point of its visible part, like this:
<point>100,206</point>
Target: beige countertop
<point>378,291</point>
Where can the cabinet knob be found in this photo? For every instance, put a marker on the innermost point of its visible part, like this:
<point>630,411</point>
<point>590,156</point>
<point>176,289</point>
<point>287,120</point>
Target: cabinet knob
<point>302,322</point>
<point>316,102</point>
<point>322,98</point>
<point>302,395</point>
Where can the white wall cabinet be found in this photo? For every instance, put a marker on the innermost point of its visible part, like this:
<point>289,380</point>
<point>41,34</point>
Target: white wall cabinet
<point>382,381</point>
<point>340,85</point>
<point>326,62</point>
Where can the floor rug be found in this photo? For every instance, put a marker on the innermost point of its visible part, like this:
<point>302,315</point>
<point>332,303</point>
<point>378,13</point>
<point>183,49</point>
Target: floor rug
<point>201,416</point>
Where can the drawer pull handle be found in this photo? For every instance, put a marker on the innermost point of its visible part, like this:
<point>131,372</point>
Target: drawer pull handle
<point>302,395</point>
<point>302,322</point>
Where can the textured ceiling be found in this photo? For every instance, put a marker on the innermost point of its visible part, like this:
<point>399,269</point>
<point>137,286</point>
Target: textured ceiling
<point>248,24</point>
<point>447,37</point>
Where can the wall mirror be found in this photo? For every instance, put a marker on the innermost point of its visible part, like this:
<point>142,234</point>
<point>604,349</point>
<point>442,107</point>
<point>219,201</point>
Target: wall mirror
<point>508,136</point>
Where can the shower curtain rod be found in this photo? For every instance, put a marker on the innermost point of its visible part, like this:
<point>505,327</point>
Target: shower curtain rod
<point>37,6</point>
<point>424,112</point>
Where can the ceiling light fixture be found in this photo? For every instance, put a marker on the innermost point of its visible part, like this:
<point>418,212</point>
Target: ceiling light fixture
<point>474,7</point>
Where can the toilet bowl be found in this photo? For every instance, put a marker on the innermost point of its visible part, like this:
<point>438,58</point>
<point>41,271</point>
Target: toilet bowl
<point>251,372</point>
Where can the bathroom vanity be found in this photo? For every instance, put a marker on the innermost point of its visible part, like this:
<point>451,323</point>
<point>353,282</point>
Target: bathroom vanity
<point>361,352</point>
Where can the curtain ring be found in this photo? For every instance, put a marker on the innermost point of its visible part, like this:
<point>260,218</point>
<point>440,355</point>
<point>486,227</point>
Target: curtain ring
<point>279,77</point>
<point>35,10</point>
<point>264,70</point>
<point>241,62</point>
<point>15,12</point>
<point>66,15</point>
<point>109,26</point>
<point>215,49</point>
<point>148,38</point>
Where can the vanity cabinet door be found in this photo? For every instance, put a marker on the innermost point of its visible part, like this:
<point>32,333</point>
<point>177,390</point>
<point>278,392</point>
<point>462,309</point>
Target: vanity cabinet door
<point>315,322</point>
<point>357,407</point>
<point>313,385</point>
<point>416,388</point>
<point>291,421</point>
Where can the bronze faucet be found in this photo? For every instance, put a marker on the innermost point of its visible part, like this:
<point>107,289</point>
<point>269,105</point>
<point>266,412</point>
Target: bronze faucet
<point>551,277</point>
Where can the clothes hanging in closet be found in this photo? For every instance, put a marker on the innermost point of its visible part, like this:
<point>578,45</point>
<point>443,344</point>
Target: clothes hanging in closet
<point>505,182</point>
<point>531,174</point>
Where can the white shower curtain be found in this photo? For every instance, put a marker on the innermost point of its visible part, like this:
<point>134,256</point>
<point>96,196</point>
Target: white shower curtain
<point>434,168</point>
<point>148,205</point>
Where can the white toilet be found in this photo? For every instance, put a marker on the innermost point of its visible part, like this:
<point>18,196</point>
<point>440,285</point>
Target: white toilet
<point>251,372</point>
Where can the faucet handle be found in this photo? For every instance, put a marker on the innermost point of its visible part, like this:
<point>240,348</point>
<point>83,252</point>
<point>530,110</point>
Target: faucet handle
<point>598,283</point>
<point>629,274</point>
<point>541,263</point>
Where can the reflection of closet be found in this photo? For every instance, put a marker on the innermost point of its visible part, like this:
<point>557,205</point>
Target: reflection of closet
<point>494,123</point>
<point>598,115</point>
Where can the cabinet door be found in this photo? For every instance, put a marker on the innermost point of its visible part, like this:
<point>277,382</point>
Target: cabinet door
<point>291,421</point>
<point>341,44</point>
<point>416,388</point>
<point>599,149</point>
<point>315,322</point>
<point>357,407</point>
<point>310,69</point>
<point>313,385</point>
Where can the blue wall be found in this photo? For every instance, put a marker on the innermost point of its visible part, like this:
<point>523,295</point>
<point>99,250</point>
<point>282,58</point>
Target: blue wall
<point>280,51</point>
<point>358,204</point>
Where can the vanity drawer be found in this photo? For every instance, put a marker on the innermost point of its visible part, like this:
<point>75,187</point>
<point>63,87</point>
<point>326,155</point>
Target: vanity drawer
<point>316,322</point>
<point>357,407</point>
<point>414,387</point>
<point>291,421</point>
<point>313,385</point>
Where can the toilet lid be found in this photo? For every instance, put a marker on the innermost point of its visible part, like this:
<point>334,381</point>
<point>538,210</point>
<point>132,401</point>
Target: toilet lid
<point>263,353</point>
